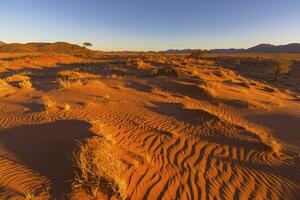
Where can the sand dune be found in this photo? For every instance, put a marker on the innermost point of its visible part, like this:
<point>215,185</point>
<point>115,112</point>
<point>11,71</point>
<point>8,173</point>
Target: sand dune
<point>209,133</point>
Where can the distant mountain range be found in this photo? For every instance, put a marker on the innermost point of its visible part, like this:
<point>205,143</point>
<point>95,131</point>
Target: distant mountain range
<point>261,48</point>
<point>57,47</point>
<point>64,47</point>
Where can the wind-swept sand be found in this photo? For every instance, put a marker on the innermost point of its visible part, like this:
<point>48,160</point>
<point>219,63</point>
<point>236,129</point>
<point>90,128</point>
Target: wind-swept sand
<point>201,132</point>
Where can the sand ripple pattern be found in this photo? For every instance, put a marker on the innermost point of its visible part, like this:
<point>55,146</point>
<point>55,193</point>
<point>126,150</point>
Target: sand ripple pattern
<point>174,148</point>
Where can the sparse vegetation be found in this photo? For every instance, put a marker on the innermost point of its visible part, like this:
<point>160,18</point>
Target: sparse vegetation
<point>67,107</point>
<point>65,83</point>
<point>196,54</point>
<point>48,102</point>
<point>25,84</point>
<point>5,87</point>
<point>29,196</point>
<point>17,78</point>
<point>165,71</point>
<point>99,169</point>
<point>280,65</point>
<point>208,90</point>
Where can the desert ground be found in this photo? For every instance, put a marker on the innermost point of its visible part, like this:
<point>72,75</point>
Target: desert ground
<point>147,126</point>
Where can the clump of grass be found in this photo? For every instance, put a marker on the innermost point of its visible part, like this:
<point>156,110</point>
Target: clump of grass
<point>69,74</point>
<point>25,84</point>
<point>68,83</point>
<point>67,107</point>
<point>29,196</point>
<point>141,64</point>
<point>165,71</point>
<point>5,87</point>
<point>17,77</point>
<point>99,169</point>
<point>110,138</point>
<point>280,65</point>
<point>48,102</point>
<point>208,89</point>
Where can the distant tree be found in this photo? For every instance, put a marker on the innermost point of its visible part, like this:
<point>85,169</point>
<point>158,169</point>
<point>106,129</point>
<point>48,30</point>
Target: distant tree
<point>280,65</point>
<point>86,53</point>
<point>87,44</point>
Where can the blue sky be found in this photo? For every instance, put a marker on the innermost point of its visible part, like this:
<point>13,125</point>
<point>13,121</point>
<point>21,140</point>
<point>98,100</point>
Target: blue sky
<point>151,24</point>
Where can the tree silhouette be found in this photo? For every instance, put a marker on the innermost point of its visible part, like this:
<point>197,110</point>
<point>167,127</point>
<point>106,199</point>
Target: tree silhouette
<point>87,44</point>
<point>86,53</point>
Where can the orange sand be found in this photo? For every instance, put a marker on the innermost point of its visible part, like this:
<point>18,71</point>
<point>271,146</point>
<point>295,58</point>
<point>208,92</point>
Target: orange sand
<point>208,134</point>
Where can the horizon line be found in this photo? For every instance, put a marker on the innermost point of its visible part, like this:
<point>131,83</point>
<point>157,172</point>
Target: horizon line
<point>157,50</point>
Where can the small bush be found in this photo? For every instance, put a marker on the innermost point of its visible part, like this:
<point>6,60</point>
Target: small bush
<point>48,102</point>
<point>67,107</point>
<point>99,169</point>
<point>68,83</point>
<point>17,78</point>
<point>196,54</point>
<point>25,84</point>
<point>280,65</point>
<point>5,87</point>
<point>165,71</point>
<point>208,90</point>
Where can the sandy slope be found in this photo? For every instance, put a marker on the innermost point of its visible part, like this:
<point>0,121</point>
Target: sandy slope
<point>208,134</point>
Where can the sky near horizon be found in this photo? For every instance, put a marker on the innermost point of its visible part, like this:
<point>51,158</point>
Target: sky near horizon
<point>151,24</point>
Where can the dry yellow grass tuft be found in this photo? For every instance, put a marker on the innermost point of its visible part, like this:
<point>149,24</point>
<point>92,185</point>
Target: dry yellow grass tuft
<point>65,83</point>
<point>99,169</point>
<point>165,71</point>
<point>208,89</point>
<point>5,88</point>
<point>70,74</point>
<point>48,102</point>
<point>17,78</point>
<point>141,64</point>
<point>25,84</point>
<point>67,107</point>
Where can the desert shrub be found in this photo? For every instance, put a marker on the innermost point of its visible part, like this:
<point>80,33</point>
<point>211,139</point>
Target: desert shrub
<point>99,169</point>
<point>280,65</point>
<point>198,54</point>
<point>165,71</point>
<point>5,88</point>
<point>141,64</point>
<point>67,107</point>
<point>138,63</point>
<point>16,78</point>
<point>208,89</point>
<point>4,85</point>
<point>25,84</point>
<point>68,83</point>
<point>48,102</point>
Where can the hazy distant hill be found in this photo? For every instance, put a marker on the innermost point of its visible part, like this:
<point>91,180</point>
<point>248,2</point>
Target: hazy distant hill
<point>2,43</point>
<point>177,51</point>
<point>57,47</point>
<point>261,48</point>
<point>268,48</point>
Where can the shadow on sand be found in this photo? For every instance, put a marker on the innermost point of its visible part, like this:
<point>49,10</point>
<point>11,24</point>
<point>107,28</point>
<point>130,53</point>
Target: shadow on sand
<point>47,149</point>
